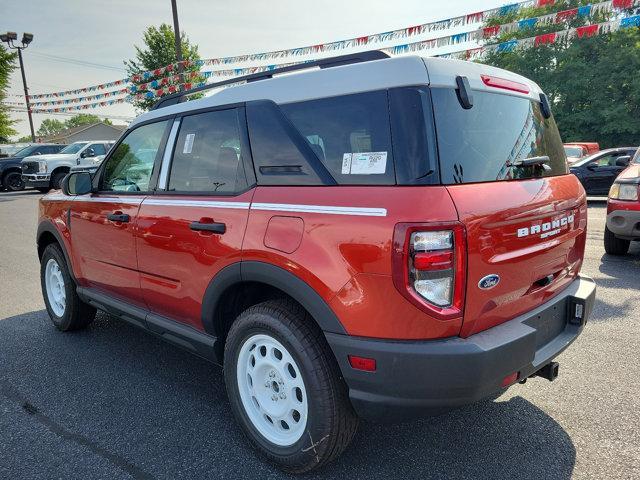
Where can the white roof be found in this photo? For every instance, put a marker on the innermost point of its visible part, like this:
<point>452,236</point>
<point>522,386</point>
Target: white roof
<point>353,78</point>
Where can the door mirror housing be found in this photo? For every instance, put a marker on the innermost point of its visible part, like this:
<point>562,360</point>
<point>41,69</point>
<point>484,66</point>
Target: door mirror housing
<point>623,161</point>
<point>592,166</point>
<point>89,152</point>
<point>77,183</point>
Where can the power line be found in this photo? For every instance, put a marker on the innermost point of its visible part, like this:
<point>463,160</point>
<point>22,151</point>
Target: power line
<point>75,61</point>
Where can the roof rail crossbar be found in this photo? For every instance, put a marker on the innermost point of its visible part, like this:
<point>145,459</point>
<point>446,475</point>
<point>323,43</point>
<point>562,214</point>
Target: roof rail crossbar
<point>368,56</point>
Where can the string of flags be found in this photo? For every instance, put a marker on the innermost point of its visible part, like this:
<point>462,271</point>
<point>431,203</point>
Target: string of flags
<point>169,84</point>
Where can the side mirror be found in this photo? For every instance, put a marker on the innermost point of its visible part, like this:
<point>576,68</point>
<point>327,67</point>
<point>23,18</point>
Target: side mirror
<point>77,183</point>
<point>623,161</point>
<point>89,152</point>
<point>592,167</point>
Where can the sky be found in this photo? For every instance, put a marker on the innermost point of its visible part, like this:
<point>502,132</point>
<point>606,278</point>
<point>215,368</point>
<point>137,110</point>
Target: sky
<point>105,32</point>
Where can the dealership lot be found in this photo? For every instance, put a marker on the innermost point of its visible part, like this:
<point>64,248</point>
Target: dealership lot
<point>113,402</point>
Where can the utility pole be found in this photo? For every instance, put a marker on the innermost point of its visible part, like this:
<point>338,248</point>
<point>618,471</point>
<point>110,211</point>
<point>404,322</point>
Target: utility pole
<point>27,38</point>
<point>176,33</point>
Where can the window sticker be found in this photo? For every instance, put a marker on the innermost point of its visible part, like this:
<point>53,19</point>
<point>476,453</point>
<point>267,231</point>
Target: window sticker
<point>188,143</point>
<point>364,163</point>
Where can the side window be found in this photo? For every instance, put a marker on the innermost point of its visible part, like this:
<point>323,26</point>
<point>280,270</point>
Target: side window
<point>605,161</point>
<point>208,155</point>
<point>130,167</point>
<point>98,148</point>
<point>350,134</point>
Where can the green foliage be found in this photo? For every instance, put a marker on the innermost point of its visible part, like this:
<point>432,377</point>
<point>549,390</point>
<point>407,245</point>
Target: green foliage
<point>591,82</point>
<point>159,51</point>
<point>25,139</point>
<point>7,65</point>
<point>84,119</point>
<point>49,126</point>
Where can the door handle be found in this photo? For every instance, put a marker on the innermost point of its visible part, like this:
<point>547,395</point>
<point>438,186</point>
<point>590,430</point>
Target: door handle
<point>118,217</point>
<point>208,227</point>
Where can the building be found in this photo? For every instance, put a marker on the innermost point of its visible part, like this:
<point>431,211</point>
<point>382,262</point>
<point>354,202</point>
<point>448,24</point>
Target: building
<point>95,131</point>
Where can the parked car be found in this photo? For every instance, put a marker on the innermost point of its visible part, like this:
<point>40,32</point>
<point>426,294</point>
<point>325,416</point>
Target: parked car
<point>10,167</point>
<point>623,210</point>
<point>47,171</point>
<point>597,172</point>
<point>354,240</point>
<point>577,150</point>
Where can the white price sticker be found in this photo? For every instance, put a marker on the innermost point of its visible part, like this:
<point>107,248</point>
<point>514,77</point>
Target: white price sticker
<point>364,163</point>
<point>188,143</point>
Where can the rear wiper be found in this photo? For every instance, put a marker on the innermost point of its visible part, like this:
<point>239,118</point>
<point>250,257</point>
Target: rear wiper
<point>543,161</point>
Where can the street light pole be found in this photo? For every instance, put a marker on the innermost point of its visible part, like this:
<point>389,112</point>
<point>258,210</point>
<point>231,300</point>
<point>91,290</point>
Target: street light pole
<point>176,34</point>
<point>27,38</point>
<point>26,96</point>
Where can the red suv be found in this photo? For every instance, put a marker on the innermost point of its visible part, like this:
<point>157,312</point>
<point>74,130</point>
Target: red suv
<point>623,210</point>
<point>371,237</point>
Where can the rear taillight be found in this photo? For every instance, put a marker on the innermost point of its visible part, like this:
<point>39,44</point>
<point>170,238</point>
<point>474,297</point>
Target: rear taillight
<point>429,266</point>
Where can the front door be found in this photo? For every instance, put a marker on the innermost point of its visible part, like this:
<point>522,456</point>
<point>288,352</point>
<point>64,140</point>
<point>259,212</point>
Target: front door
<point>103,224</point>
<point>194,224</point>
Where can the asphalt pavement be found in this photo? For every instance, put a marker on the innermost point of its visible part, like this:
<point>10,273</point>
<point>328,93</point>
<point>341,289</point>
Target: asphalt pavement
<point>112,402</point>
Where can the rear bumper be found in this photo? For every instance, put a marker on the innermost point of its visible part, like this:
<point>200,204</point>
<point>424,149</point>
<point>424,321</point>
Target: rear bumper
<point>428,377</point>
<point>40,180</point>
<point>624,223</point>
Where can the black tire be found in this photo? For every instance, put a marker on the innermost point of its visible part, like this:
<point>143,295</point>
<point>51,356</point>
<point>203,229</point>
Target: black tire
<point>331,422</point>
<point>56,180</point>
<point>614,245</point>
<point>12,182</point>
<point>77,314</point>
<point>43,189</point>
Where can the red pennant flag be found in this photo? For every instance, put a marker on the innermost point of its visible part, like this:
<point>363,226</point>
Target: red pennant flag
<point>362,40</point>
<point>542,3</point>
<point>587,31</point>
<point>413,30</point>
<point>491,31</point>
<point>545,39</point>
<point>566,15</point>
<point>622,3</point>
<point>475,17</point>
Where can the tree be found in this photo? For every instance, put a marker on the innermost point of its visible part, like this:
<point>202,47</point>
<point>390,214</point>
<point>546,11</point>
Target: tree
<point>7,65</point>
<point>160,51</point>
<point>591,82</point>
<point>84,119</point>
<point>49,126</point>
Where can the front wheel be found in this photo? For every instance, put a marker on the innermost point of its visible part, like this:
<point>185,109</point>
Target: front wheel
<point>285,388</point>
<point>66,310</point>
<point>13,182</point>
<point>614,245</point>
<point>56,180</point>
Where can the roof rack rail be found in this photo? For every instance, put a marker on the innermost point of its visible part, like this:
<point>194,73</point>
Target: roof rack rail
<point>367,56</point>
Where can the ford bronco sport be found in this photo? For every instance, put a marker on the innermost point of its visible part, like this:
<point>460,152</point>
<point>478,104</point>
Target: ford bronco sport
<point>365,237</point>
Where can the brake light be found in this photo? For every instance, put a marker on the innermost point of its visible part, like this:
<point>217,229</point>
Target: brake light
<point>505,84</point>
<point>362,363</point>
<point>429,266</point>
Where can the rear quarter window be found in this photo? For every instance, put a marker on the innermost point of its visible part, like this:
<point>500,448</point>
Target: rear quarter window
<point>482,144</point>
<point>350,134</point>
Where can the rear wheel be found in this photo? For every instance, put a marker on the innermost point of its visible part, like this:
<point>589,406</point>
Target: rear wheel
<point>13,182</point>
<point>285,388</point>
<point>614,245</point>
<point>66,310</point>
<point>56,180</point>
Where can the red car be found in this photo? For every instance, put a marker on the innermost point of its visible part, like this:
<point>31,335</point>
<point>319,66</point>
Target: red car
<point>623,210</point>
<point>374,237</point>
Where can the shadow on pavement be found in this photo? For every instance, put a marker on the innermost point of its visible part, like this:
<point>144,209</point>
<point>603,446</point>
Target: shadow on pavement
<point>133,406</point>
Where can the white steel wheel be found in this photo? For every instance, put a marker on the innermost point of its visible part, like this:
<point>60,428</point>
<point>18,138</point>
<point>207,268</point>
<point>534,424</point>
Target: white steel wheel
<point>272,390</point>
<point>54,282</point>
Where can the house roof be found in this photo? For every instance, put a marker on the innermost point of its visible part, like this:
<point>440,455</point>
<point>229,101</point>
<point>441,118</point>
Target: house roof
<point>81,128</point>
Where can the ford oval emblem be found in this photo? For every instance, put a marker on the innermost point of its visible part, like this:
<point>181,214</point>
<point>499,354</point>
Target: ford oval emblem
<point>489,281</point>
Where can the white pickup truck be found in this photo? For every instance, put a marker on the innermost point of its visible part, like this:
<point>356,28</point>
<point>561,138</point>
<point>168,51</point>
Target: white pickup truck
<point>45,172</point>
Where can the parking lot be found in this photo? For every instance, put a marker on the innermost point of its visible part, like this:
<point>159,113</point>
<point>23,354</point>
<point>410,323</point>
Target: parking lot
<point>113,402</point>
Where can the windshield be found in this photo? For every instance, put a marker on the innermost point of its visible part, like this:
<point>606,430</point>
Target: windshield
<point>73,148</point>
<point>488,141</point>
<point>25,151</point>
<point>575,152</point>
<point>636,157</point>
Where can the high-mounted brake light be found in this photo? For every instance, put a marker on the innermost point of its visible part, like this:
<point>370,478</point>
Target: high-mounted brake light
<point>429,266</point>
<point>505,84</point>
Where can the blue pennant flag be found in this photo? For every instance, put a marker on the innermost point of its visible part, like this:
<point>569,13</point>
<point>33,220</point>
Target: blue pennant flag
<point>507,46</point>
<point>528,23</point>
<point>508,9</point>
<point>630,22</point>
<point>584,11</point>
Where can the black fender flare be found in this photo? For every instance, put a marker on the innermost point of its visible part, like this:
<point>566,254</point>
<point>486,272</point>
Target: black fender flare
<point>253,271</point>
<point>48,227</point>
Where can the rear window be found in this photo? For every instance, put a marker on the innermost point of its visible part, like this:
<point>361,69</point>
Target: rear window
<point>350,134</point>
<point>484,143</point>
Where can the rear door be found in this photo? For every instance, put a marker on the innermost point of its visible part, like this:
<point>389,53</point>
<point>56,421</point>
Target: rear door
<point>103,223</point>
<point>525,225</point>
<point>194,224</point>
